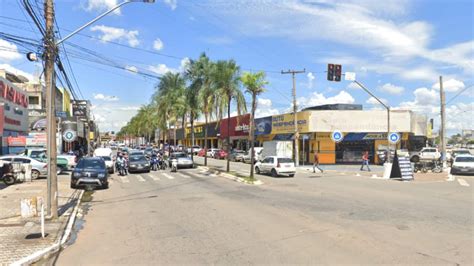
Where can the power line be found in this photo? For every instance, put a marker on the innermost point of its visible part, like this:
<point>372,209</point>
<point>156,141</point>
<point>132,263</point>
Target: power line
<point>459,93</point>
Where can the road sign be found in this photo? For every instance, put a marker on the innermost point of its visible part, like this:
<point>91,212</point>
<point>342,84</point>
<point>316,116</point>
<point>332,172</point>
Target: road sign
<point>350,76</point>
<point>61,114</point>
<point>337,136</point>
<point>394,138</point>
<point>69,135</point>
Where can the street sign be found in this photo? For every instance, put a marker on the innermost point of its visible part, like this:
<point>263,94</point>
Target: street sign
<point>350,76</point>
<point>337,136</point>
<point>61,114</point>
<point>69,135</point>
<point>394,138</point>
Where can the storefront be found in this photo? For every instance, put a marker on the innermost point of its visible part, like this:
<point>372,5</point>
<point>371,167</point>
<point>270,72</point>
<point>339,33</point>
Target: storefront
<point>13,116</point>
<point>237,128</point>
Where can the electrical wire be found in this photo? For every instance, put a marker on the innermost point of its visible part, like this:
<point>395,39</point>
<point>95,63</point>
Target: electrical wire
<point>459,93</point>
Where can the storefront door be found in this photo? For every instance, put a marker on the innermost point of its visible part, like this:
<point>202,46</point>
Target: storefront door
<point>351,151</point>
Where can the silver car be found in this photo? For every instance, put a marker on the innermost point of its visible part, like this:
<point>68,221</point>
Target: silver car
<point>37,168</point>
<point>184,161</point>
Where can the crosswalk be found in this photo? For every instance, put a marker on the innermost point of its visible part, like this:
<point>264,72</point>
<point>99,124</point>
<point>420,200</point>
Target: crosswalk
<point>158,176</point>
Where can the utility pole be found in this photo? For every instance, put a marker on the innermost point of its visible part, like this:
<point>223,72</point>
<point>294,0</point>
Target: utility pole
<point>442,132</point>
<point>50,53</point>
<point>295,109</point>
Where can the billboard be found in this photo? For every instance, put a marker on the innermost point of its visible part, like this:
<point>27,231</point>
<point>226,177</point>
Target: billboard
<point>14,105</point>
<point>80,108</point>
<point>283,124</point>
<point>263,126</point>
<point>239,126</point>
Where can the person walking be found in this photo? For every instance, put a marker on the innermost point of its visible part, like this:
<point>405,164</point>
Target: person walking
<point>316,163</point>
<point>365,161</point>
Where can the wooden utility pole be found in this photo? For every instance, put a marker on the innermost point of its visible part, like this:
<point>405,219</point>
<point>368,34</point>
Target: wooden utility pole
<point>442,132</point>
<point>295,110</point>
<point>49,57</point>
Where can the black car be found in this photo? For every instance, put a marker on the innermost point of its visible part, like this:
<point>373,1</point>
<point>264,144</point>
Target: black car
<point>138,163</point>
<point>90,172</point>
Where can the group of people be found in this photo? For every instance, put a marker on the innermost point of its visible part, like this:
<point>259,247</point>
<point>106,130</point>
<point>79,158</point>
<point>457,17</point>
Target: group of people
<point>365,162</point>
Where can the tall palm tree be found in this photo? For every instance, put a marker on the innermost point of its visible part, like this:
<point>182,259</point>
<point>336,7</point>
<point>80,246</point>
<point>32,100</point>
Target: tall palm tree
<point>208,96</point>
<point>254,84</point>
<point>226,78</point>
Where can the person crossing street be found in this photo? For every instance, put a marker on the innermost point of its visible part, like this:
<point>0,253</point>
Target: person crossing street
<point>316,163</point>
<point>365,161</point>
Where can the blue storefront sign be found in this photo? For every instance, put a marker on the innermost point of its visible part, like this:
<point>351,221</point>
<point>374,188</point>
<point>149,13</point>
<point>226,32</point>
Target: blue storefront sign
<point>263,126</point>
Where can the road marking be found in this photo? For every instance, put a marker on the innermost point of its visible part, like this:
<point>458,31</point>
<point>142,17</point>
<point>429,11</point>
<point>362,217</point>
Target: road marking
<point>140,178</point>
<point>168,176</point>
<point>124,179</point>
<point>183,175</point>
<point>155,178</point>
<point>463,182</point>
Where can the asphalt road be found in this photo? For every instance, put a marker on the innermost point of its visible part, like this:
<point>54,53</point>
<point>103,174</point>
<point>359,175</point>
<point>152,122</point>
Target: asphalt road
<point>191,217</point>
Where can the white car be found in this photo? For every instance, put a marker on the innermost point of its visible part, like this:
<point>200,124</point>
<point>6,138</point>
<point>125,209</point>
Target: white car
<point>211,152</point>
<point>71,160</point>
<point>463,164</point>
<point>109,163</point>
<point>37,168</point>
<point>276,166</point>
<point>258,155</point>
<point>196,149</point>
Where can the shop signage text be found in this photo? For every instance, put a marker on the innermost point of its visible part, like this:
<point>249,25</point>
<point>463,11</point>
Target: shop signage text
<point>282,124</point>
<point>10,94</point>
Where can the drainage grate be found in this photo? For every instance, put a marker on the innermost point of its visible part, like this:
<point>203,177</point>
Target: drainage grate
<point>35,236</point>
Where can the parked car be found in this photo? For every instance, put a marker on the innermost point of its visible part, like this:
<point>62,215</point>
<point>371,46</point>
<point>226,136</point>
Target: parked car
<point>148,151</point>
<point>210,152</point>
<point>196,149</point>
<point>71,160</point>
<point>463,164</point>
<point>276,165</point>
<point>220,154</point>
<point>62,162</point>
<point>427,153</point>
<point>201,153</point>
<point>109,163</point>
<point>99,152</point>
<point>90,172</point>
<point>236,155</point>
<point>452,155</point>
<point>38,168</point>
<point>183,160</point>
<point>257,155</point>
<point>138,163</point>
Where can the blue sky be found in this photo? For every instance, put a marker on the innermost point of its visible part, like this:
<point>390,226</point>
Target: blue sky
<point>398,48</point>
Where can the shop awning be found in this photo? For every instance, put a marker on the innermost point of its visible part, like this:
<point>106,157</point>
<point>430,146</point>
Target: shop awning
<point>283,137</point>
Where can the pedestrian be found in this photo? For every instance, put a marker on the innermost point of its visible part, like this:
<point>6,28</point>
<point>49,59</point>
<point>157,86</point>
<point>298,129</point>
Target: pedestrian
<point>316,163</point>
<point>365,161</point>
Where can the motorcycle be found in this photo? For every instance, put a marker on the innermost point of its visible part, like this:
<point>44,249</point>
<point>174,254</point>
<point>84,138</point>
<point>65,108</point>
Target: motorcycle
<point>6,174</point>
<point>162,164</point>
<point>121,168</point>
<point>174,165</point>
<point>424,166</point>
<point>154,163</point>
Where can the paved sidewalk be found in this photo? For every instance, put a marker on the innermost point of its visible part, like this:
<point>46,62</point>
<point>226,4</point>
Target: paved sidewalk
<point>347,168</point>
<point>19,236</point>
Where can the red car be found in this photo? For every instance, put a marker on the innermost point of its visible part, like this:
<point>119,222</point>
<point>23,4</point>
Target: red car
<point>220,154</point>
<point>201,153</point>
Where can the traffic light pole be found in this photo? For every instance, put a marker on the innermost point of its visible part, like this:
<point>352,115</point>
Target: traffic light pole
<point>295,109</point>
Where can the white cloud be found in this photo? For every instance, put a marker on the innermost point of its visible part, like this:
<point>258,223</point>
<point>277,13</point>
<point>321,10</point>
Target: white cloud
<point>450,85</point>
<point>117,34</point>
<point>353,86</point>
<point>265,108</point>
<point>171,3</point>
<point>420,73</point>
<point>132,69</point>
<point>129,108</point>
<point>319,99</point>
<point>374,101</point>
<point>184,64</point>
<point>101,5</point>
<point>161,69</point>
<point>111,116</point>
<point>459,116</point>
<point>8,51</point>
<point>310,77</point>
<point>392,89</point>
<point>107,98</point>
<point>17,71</point>
<point>158,44</point>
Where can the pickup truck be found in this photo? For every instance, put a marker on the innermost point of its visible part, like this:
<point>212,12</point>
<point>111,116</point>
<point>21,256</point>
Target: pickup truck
<point>427,153</point>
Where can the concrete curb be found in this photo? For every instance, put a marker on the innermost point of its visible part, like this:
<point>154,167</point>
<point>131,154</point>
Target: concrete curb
<point>56,246</point>
<point>231,177</point>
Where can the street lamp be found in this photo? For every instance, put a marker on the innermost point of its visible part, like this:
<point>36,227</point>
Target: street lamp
<point>50,55</point>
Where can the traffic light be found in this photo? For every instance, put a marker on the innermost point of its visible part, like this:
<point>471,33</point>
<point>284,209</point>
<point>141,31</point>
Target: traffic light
<point>337,72</point>
<point>331,72</point>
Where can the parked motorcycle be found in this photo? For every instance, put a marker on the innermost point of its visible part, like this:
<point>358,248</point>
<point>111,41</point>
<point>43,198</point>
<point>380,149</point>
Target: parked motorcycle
<point>7,175</point>
<point>424,166</point>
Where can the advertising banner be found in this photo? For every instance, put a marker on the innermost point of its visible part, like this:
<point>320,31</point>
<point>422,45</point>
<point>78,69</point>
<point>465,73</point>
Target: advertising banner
<point>80,108</point>
<point>15,107</point>
<point>239,126</point>
<point>283,124</point>
<point>19,141</point>
<point>263,126</point>
<point>36,140</point>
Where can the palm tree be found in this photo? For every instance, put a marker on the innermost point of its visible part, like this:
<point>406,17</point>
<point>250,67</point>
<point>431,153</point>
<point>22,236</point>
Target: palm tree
<point>226,78</point>
<point>254,83</point>
<point>208,96</point>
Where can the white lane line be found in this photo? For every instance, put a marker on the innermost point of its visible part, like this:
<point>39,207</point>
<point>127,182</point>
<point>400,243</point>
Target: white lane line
<point>155,178</point>
<point>463,182</point>
<point>140,178</point>
<point>168,176</point>
<point>124,179</point>
<point>183,175</point>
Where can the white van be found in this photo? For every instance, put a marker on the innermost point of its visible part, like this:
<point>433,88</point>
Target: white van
<point>258,155</point>
<point>99,152</point>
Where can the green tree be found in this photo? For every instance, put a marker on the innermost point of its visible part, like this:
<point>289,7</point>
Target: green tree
<point>227,79</point>
<point>254,84</point>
